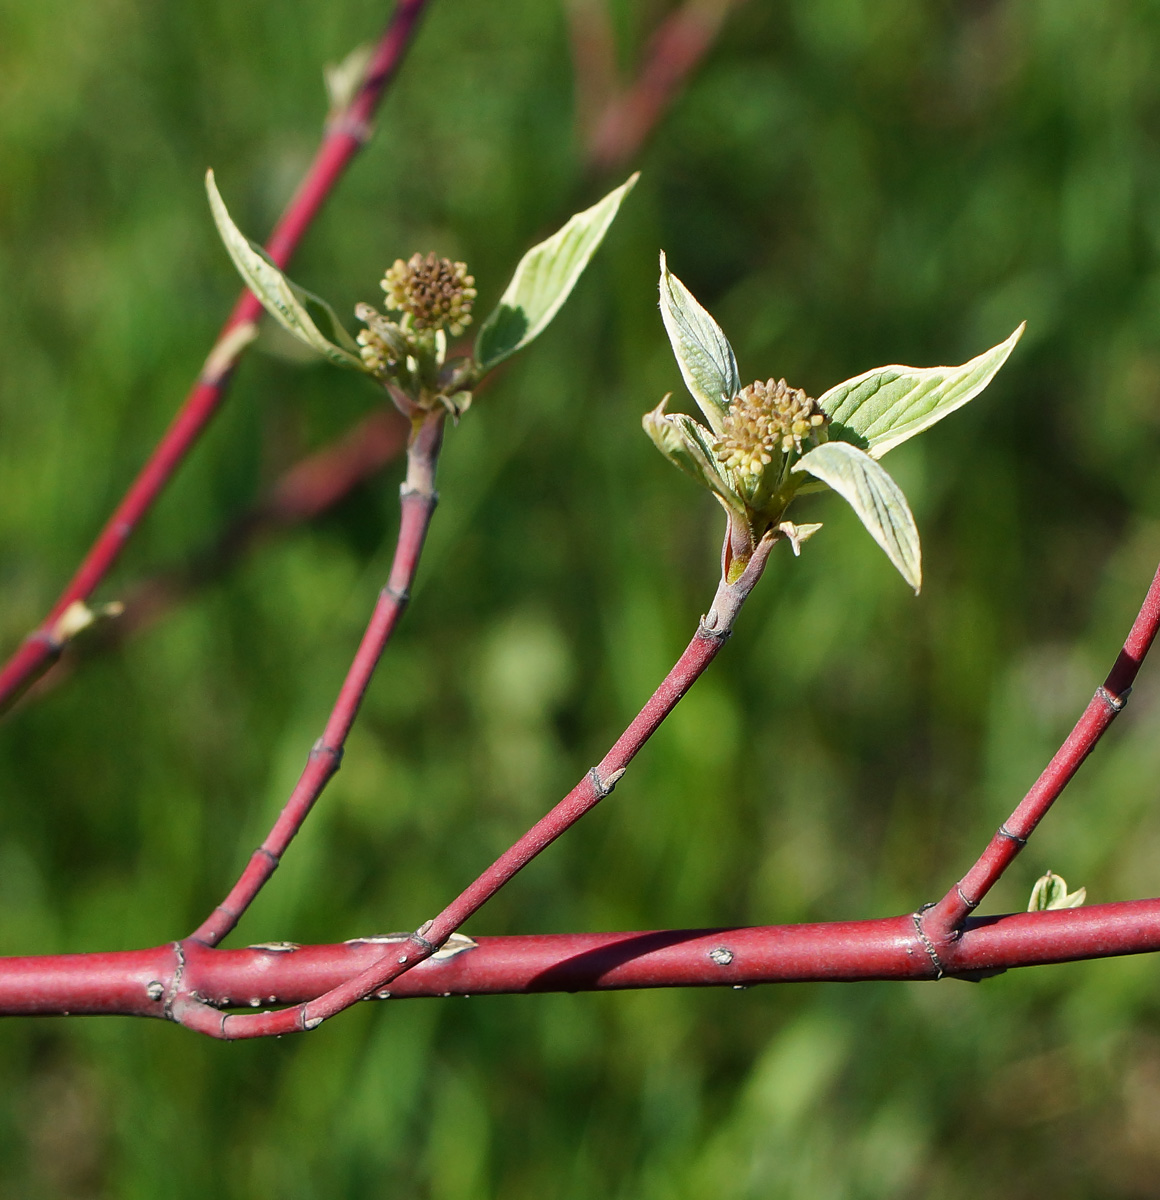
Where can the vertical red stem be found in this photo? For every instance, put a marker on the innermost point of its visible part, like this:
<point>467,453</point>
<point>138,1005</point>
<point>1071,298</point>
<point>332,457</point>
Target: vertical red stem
<point>417,502</point>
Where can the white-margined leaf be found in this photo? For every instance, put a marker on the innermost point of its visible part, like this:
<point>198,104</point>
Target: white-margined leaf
<point>308,317</point>
<point>544,278</point>
<point>875,497</point>
<point>888,405</point>
<point>702,350</point>
<point>686,444</point>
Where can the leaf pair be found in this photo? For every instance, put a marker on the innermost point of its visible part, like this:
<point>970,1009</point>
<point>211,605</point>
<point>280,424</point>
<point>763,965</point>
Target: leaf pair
<point>867,416</point>
<point>542,282</point>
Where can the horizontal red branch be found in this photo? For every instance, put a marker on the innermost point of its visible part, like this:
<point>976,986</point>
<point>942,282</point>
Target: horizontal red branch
<point>141,982</point>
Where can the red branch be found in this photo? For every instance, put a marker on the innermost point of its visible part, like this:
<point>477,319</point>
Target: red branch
<point>302,493</point>
<point>146,982</point>
<point>629,115</point>
<point>187,981</point>
<point>417,502</point>
<point>344,136</point>
<point>943,921</point>
<point>714,629</point>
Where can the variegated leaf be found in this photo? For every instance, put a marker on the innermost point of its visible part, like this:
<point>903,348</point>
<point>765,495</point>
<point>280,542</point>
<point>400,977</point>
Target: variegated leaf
<point>875,497</point>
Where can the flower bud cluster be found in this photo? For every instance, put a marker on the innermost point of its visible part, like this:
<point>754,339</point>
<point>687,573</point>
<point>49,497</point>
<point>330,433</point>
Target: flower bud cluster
<point>765,419</point>
<point>434,292</point>
<point>381,344</point>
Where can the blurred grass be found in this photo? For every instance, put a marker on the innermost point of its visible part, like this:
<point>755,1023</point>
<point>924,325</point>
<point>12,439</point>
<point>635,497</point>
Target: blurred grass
<point>845,184</point>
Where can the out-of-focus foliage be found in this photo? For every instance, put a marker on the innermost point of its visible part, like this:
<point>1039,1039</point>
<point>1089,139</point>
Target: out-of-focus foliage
<point>845,183</point>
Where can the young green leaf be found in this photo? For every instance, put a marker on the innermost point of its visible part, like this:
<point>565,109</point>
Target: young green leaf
<point>543,279</point>
<point>309,318</point>
<point>888,405</point>
<point>875,497</point>
<point>683,442</point>
<point>702,350</point>
<point>1050,891</point>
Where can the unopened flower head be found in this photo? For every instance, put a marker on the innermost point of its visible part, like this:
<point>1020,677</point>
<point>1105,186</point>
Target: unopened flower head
<point>381,344</point>
<point>434,292</point>
<point>765,419</point>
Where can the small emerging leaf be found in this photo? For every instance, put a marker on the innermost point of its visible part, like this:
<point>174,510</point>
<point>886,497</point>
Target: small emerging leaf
<point>875,497</point>
<point>79,616</point>
<point>343,79</point>
<point>886,406</point>
<point>702,350</point>
<point>1050,891</point>
<point>797,534</point>
<point>309,318</point>
<point>543,280</point>
<point>686,444</point>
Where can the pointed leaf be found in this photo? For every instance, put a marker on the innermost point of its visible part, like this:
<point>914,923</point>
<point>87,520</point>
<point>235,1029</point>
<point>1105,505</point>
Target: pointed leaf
<point>687,445</point>
<point>703,353</point>
<point>308,317</point>
<point>875,497</point>
<point>544,278</point>
<point>888,405</point>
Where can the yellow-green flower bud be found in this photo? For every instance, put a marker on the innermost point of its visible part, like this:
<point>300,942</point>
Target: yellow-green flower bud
<point>434,292</point>
<point>382,344</point>
<point>765,419</point>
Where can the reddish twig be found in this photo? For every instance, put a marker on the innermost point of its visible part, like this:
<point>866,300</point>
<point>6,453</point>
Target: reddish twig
<point>712,632</point>
<point>146,983</point>
<point>306,491</point>
<point>417,502</point>
<point>942,922</point>
<point>345,135</point>
<point>629,115</point>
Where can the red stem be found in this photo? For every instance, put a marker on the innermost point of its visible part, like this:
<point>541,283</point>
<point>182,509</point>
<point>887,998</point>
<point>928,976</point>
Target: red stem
<point>711,635</point>
<point>417,502</point>
<point>344,136</point>
<point>943,921</point>
<point>146,982</point>
<point>677,48</point>
<point>184,981</point>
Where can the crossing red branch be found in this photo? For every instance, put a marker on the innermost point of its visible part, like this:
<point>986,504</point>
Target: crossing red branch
<point>417,503</point>
<point>345,134</point>
<point>190,1010</point>
<point>144,983</point>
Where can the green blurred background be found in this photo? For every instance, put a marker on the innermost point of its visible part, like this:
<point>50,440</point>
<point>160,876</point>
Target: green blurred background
<point>844,183</point>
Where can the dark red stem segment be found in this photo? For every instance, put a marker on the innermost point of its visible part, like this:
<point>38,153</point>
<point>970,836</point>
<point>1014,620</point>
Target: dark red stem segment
<point>146,982</point>
<point>309,488</point>
<point>344,136</point>
<point>417,502</point>
<point>711,635</point>
<point>629,116</point>
<point>942,922</point>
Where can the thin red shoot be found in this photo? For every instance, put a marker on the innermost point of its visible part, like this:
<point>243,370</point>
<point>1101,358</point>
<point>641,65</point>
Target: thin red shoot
<point>417,503</point>
<point>943,922</point>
